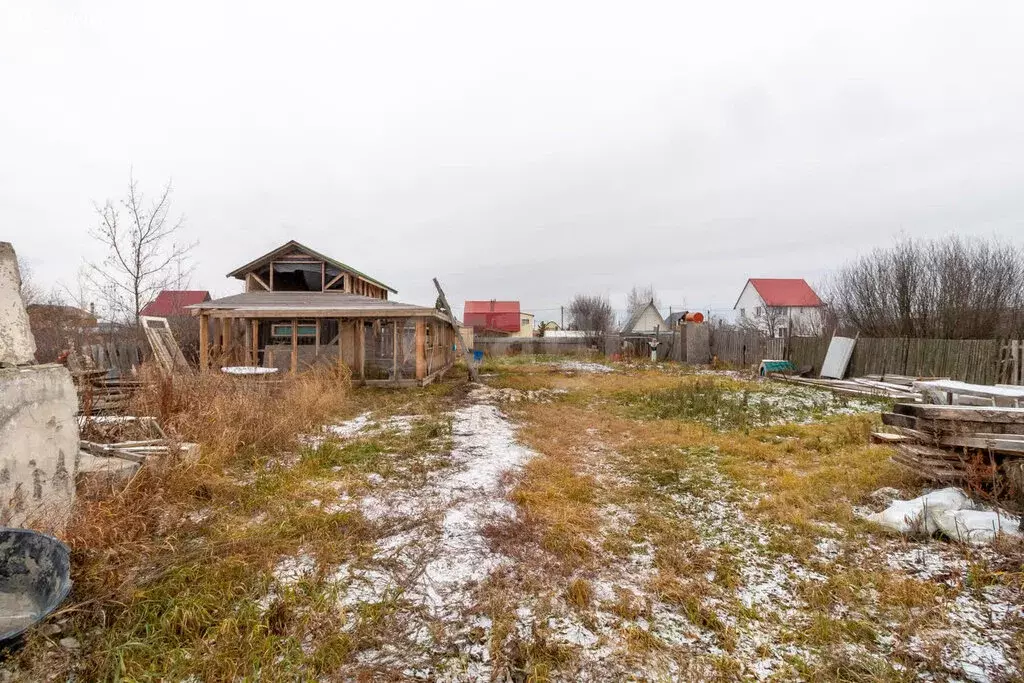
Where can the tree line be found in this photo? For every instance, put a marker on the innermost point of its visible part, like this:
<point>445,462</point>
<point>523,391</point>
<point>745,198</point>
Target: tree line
<point>948,288</point>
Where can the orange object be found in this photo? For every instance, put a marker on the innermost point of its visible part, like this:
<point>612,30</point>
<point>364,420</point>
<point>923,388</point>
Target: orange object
<point>696,317</point>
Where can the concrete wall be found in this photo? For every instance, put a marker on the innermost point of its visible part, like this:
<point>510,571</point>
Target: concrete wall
<point>38,427</point>
<point>17,345</point>
<point>38,446</point>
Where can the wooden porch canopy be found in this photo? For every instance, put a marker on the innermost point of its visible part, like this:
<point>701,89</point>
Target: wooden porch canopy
<point>351,311</point>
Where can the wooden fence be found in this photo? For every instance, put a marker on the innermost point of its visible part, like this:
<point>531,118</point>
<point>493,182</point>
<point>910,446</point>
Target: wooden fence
<point>981,361</point>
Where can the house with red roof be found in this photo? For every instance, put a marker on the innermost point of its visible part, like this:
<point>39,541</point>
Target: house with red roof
<point>494,317</point>
<point>780,307</point>
<point>172,302</point>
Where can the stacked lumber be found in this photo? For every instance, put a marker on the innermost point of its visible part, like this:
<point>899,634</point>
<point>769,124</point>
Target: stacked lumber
<point>99,394</point>
<point>113,448</point>
<point>946,442</point>
<point>857,387</point>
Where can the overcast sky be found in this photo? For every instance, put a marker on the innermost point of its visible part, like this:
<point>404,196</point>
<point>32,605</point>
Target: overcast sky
<point>517,150</point>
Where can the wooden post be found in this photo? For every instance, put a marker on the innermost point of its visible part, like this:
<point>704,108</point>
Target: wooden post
<point>204,342</point>
<point>341,357</point>
<point>255,341</point>
<point>271,276</point>
<point>295,345</point>
<point>394,359</point>
<point>360,347</point>
<point>317,342</point>
<point>225,340</point>
<point>421,341</point>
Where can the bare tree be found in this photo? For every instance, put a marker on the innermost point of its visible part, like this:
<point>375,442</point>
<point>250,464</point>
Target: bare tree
<point>638,297</point>
<point>591,313</point>
<point>31,293</point>
<point>953,288</point>
<point>142,254</point>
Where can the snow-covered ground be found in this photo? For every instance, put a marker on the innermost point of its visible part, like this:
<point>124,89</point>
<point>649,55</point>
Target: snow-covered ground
<point>432,558</point>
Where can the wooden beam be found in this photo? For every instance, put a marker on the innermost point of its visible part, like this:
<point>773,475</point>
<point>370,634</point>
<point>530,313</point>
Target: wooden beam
<point>259,281</point>
<point>295,345</point>
<point>449,317</point>
<point>421,348</point>
<point>360,350</point>
<point>204,342</point>
<point>271,276</point>
<point>394,359</point>
<point>225,340</point>
<point>355,312</point>
<point>323,275</point>
<point>341,357</point>
<point>336,278</point>
<point>317,339</point>
<point>255,342</point>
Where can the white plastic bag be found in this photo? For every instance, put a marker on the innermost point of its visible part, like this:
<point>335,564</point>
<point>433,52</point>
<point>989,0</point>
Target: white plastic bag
<point>977,527</point>
<point>918,517</point>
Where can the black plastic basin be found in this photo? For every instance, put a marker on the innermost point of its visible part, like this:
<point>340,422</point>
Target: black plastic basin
<point>35,577</point>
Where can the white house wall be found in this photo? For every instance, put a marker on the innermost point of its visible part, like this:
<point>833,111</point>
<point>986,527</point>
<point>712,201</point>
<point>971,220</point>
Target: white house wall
<point>649,320</point>
<point>806,320</point>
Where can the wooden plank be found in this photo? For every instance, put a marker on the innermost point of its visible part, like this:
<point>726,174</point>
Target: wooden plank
<point>204,342</point>
<point>316,341</point>
<point>968,413</point>
<point>255,341</point>
<point>421,339</point>
<point>897,420</point>
<point>886,438</point>
<point>449,317</point>
<point>295,345</point>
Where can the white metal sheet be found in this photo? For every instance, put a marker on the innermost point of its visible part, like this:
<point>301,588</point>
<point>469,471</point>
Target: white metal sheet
<point>840,350</point>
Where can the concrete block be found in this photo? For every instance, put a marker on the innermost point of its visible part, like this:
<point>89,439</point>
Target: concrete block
<point>697,343</point>
<point>17,345</point>
<point>38,446</point>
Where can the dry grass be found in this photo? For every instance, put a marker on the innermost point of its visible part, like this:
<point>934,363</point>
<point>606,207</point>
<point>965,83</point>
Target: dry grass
<point>157,593</point>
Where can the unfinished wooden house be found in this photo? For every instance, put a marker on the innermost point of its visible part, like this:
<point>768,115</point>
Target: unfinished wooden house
<point>301,309</point>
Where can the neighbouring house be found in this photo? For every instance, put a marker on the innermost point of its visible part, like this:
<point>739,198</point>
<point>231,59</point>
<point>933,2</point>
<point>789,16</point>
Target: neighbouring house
<point>301,309</point>
<point>494,318</point>
<point>549,326</point>
<point>526,328</point>
<point>646,320</point>
<point>780,307</point>
<point>171,303</point>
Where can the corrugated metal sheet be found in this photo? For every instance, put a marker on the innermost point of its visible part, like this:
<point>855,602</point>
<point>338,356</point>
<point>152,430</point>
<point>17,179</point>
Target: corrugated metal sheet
<point>501,316</point>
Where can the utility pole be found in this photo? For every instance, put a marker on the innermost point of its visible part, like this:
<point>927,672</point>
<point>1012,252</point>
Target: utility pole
<point>562,308</point>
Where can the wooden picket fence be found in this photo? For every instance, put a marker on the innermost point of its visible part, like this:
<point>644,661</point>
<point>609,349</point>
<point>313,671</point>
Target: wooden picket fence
<point>980,361</point>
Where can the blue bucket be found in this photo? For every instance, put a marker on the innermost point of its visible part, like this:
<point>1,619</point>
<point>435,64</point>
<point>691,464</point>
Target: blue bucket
<point>478,356</point>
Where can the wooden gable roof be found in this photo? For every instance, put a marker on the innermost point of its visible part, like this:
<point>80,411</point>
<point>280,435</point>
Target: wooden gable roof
<point>292,246</point>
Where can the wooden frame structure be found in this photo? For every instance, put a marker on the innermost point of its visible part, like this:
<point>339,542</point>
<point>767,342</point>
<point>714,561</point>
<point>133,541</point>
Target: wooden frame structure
<point>310,322</point>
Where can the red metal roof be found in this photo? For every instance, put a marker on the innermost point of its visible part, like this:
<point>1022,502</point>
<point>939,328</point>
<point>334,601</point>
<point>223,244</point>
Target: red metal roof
<point>172,302</point>
<point>785,291</point>
<point>502,316</point>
